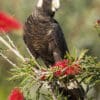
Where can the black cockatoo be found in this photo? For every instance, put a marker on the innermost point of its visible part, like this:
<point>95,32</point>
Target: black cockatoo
<point>42,33</point>
<point>44,37</point>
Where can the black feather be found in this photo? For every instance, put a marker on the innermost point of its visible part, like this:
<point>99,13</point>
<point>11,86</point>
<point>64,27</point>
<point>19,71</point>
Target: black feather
<point>44,37</point>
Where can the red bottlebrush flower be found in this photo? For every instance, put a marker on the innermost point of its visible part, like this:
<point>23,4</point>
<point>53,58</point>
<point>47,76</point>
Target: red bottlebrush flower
<point>58,73</point>
<point>62,63</point>
<point>16,94</point>
<point>8,23</point>
<point>73,69</point>
<point>98,22</point>
<point>63,68</point>
<point>59,66</point>
<point>43,77</point>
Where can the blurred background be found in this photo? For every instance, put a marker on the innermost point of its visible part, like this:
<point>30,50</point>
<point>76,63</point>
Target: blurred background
<point>77,19</point>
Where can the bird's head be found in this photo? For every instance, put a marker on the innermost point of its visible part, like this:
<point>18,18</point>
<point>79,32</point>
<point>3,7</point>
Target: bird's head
<point>49,6</point>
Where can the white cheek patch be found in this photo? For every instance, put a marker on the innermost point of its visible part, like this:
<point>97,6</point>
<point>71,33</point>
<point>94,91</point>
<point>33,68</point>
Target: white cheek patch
<point>40,3</point>
<point>55,5</point>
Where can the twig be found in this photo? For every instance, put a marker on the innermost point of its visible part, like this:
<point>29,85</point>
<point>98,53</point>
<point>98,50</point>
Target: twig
<point>33,58</point>
<point>11,42</point>
<point>38,92</point>
<point>81,90</point>
<point>52,92</point>
<point>9,61</point>
<point>12,49</point>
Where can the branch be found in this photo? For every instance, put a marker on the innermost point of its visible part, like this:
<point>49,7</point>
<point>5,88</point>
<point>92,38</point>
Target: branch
<point>12,49</point>
<point>52,93</point>
<point>9,61</point>
<point>33,58</point>
<point>11,42</point>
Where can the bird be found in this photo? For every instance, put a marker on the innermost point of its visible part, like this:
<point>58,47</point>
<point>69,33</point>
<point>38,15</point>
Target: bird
<point>42,33</point>
<point>45,39</point>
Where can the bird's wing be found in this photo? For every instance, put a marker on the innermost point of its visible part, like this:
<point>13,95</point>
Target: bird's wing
<point>28,30</point>
<point>59,39</point>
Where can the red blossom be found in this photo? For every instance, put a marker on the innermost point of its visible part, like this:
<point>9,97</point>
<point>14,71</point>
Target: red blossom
<point>43,76</point>
<point>98,21</point>
<point>73,69</point>
<point>58,73</point>
<point>58,66</point>
<point>64,68</point>
<point>8,23</point>
<point>16,94</point>
<point>62,63</point>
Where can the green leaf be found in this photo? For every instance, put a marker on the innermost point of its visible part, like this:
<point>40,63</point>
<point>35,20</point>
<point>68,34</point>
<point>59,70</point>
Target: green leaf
<point>82,54</point>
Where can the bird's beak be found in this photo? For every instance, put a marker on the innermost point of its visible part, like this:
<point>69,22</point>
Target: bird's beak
<point>55,5</point>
